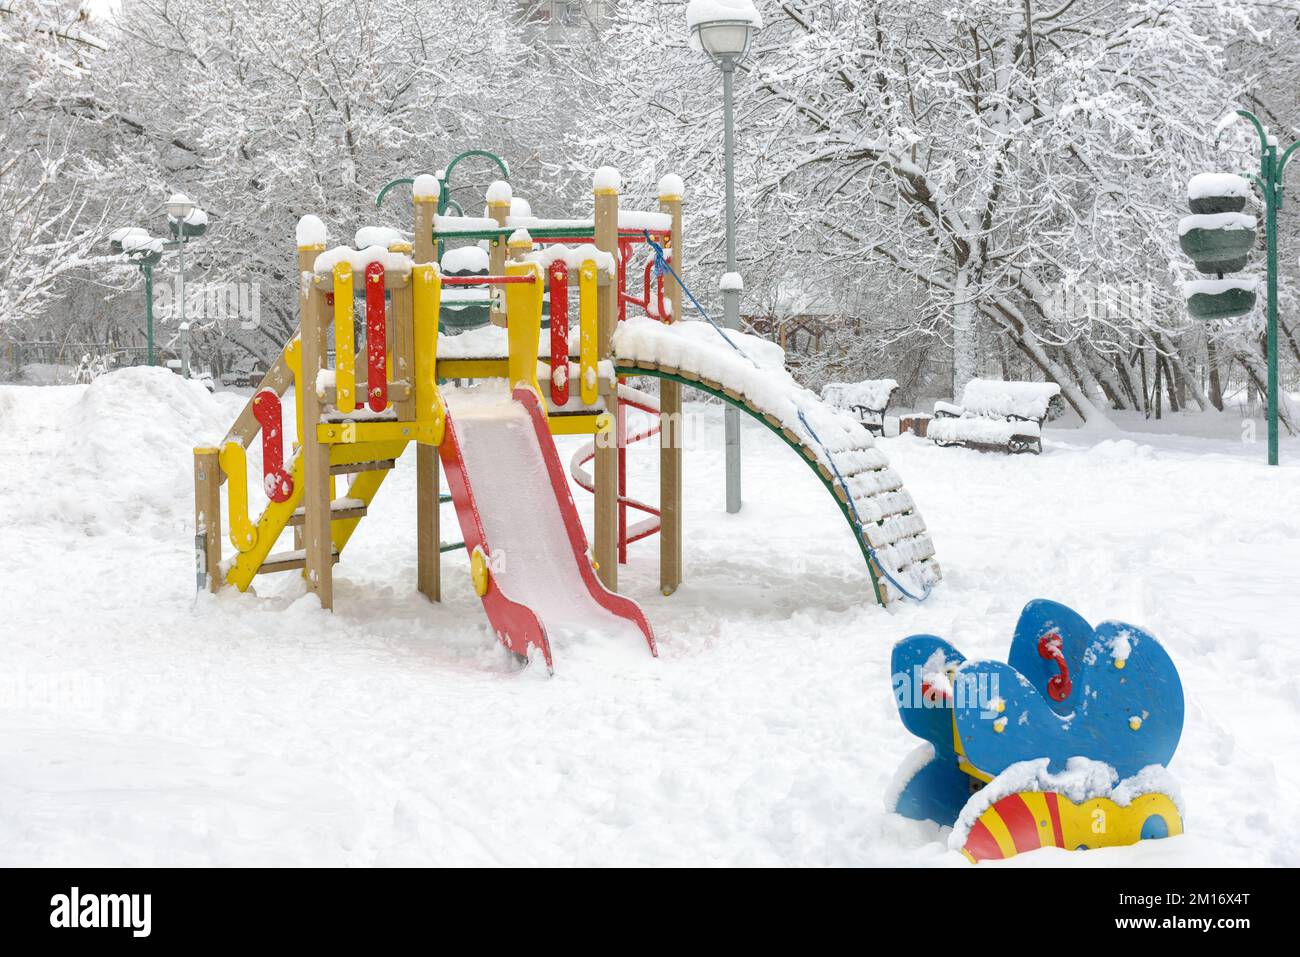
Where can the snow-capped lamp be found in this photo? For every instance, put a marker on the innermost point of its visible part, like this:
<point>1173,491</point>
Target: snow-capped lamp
<point>722,28</point>
<point>1064,745</point>
<point>185,220</point>
<point>1218,238</point>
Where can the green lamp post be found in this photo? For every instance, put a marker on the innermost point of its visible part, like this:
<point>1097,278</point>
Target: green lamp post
<point>1272,168</point>
<point>185,221</point>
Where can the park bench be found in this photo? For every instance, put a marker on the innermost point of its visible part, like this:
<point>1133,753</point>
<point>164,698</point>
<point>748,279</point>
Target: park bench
<point>867,400</point>
<point>997,416</point>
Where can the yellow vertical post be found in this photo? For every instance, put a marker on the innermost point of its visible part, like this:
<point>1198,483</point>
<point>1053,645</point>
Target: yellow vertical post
<point>498,205</point>
<point>605,190</point>
<point>428,478</point>
<point>588,332</point>
<point>670,412</point>
<point>430,416</point>
<point>316,537</point>
<point>207,517</point>
<point>401,342</point>
<point>345,372</point>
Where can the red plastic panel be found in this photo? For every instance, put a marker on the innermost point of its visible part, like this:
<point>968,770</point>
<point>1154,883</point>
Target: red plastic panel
<point>376,339</point>
<point>558,274</point>
<point>277,481</point>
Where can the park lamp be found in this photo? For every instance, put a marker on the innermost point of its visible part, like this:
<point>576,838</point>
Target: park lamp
<point>723,28</point>
<point>179,206</point>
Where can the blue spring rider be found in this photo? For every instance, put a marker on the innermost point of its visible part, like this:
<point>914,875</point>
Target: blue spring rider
<point>1064,745</point>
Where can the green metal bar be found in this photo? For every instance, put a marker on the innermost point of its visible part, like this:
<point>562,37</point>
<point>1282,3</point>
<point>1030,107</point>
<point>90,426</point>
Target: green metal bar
<point>1272,200</point>
<point>148,312</point>
<point>379,200</point>
<point>830,486</point>
<point>1269,181</point>
<point>450,547</point>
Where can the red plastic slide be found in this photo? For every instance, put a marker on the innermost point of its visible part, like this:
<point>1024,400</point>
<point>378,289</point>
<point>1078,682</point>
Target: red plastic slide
<point>512,498</point>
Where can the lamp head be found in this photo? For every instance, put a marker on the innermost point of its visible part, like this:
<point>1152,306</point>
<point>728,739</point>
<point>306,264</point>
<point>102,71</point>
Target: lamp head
<point>723,28</point>
<point>179,206</point>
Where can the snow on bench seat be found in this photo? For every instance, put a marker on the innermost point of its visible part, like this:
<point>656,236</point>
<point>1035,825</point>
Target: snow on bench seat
<point>981,430</point>
<point>996,415</point>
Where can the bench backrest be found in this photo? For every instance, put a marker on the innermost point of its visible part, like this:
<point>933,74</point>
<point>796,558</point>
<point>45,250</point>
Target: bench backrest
<point>870,394</point>
<point>993,398</point>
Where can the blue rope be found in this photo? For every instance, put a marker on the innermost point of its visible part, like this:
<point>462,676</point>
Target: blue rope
<point>660,265</point>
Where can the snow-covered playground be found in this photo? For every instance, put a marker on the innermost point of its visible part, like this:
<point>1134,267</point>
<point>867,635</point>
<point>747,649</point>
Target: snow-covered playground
<point>140,725</point>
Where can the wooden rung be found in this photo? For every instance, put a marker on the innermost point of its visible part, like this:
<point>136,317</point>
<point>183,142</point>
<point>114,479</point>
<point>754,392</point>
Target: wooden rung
<point>351,467</point>
<point>338,513</point>
<point>289,561</point>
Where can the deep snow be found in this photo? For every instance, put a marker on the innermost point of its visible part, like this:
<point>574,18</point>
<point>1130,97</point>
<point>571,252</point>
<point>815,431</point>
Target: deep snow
<point>139,725</point>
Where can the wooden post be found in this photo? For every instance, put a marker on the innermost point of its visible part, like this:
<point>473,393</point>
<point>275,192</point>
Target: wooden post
<point>498,204</point>
<point>428,477</point>
<point>316,538</point>
<point>207,517</point>
<point>306,264</point>
<point>670,413</point>
<point>605,189</point>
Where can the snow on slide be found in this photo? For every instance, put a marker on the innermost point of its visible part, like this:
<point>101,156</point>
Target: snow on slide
<point>513,500</point>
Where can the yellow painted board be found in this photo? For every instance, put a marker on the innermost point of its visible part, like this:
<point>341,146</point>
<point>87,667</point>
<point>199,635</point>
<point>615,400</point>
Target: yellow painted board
<point>524,326</point>
<point>345,373</point>
<point>574,424</point>
<point>588,345</point>
<point>350,433</point>
<point>473,368</point>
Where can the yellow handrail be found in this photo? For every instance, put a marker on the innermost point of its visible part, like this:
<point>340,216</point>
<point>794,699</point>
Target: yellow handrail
<point>234,462</point>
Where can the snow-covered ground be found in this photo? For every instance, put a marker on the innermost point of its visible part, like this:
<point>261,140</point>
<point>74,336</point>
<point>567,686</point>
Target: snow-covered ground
<point>139,725</point>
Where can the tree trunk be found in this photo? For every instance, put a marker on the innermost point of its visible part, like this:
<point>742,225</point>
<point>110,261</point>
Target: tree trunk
<point>1216,382</point>
<point>964,332</point>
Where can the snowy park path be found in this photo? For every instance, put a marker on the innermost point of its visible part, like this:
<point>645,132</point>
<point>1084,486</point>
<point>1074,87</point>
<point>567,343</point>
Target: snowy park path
<point>140,726</point>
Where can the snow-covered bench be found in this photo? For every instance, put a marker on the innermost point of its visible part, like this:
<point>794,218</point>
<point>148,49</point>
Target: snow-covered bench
<point>867,400</point>
<point>996,415</point>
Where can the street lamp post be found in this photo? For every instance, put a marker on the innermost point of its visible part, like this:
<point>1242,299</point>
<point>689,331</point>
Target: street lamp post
<point>179,208</point>
<point>723,29</point>
<point>1272,167</point>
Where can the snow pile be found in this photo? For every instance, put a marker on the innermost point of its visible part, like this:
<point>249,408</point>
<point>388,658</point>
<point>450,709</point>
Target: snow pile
<point>1216,221</point>
<point>467,259</point>
<point>311,231</point>
<point>1082,780</point>
<point>731,282</point>
<point>671,187</point>
<point>499,193</point>
<point>606,178</point>
<point>1204,185</point>
<point>360,259</point>
<point>120,450</point>
<point>426,187</point>
<point>571,256</point>
<point>996,398</point>
<point>384,236</point>
<point>871,394</point>
<point>492,342</point>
